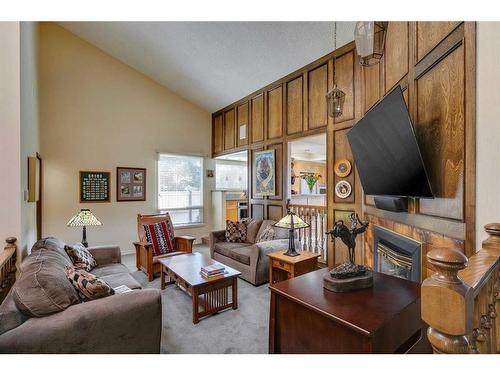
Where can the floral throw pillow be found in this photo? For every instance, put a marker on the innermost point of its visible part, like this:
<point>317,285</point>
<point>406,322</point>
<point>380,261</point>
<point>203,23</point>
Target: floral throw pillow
<point>88,286</point>
<point>236,231</point>
<point>268,234</point>
<point>80,256</point>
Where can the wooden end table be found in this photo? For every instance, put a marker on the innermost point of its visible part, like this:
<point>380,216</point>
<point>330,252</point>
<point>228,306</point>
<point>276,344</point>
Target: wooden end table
<point>212,295</point>
<point>283,267</point>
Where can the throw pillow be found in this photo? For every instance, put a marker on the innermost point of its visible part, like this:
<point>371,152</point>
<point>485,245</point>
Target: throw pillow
<point>80,256</point>
<point>268,234</point>
<point>88,286</point>
<point>158,235</point>
<point>236,231</point>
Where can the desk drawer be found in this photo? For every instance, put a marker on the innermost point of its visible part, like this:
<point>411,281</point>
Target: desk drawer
<point>282,265</point>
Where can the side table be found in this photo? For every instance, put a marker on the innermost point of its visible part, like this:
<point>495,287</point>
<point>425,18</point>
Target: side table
<point>283,267</point>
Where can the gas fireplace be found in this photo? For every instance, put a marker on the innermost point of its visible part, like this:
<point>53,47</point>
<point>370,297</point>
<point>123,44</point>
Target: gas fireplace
<point>397,255</point>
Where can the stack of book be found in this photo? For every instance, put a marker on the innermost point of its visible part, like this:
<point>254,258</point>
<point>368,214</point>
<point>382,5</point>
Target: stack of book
<point>212,270</point>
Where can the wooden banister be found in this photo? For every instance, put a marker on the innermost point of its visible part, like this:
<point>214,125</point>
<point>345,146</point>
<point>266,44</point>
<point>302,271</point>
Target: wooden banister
<point>460,300</point>
<point>7,267</point>
<point>312,238</point>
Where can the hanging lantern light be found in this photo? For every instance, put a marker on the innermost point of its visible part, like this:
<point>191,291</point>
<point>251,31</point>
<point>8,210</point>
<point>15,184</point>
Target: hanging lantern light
<point>335,97</point>
<point>370,40</point>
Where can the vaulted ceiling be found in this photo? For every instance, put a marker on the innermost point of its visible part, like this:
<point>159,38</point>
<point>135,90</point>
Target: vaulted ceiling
<point>213,64</point>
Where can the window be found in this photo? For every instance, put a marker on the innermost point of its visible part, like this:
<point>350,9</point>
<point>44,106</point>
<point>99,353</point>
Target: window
<point>180,188</point>
<point>230,175</point>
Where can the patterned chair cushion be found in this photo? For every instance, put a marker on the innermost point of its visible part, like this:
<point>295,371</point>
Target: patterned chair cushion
<point>88,286</point>
<point>80,256</point>
<point>268,234</point>
<point>236,231</point>
<point>158,234</point>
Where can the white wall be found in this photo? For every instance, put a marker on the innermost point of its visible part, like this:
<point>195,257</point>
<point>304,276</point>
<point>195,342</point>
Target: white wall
<point>10,128</point>
<point>488,127</point>
<point>30,142</point>
<point>97,113</point>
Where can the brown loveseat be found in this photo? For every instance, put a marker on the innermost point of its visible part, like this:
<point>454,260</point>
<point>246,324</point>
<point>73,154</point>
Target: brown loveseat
<point>42,313</point>
<point>249,257</point>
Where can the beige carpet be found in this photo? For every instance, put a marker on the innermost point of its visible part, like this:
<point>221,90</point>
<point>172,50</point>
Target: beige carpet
<point>244,330</point>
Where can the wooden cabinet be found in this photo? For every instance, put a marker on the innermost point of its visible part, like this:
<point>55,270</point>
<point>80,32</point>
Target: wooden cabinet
<point>242,125</point>
<point>283,267</point>
<point>275,113</point>
<point>229,130</point>
<point>218,134</point>
<point>294,106</point>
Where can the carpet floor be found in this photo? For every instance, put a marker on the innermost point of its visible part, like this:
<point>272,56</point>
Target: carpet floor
<point>244,330</point>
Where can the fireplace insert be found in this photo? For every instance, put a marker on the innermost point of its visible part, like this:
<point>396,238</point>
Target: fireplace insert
<point>397,255</point>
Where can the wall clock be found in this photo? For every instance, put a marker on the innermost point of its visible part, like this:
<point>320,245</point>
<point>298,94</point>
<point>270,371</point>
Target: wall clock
<point>342,168</point>
<point>343,189</point>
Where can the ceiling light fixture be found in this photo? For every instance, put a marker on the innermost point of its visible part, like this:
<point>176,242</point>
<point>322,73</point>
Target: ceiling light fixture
<point>335,97</point>
<point>370,41</point>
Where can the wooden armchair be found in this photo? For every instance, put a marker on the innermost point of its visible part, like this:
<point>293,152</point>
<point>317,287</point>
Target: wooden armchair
<point>144,255</point>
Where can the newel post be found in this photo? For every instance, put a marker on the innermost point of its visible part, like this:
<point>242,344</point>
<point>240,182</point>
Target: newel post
<point>444,303</point>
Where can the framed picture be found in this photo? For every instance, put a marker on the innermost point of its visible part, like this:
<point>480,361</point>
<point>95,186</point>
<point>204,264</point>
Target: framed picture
<point>130,184</point>
<point>94,186</point>
<point>265,173</point>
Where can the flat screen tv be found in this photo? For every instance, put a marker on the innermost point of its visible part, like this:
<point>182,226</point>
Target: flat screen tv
<point>386,151</point>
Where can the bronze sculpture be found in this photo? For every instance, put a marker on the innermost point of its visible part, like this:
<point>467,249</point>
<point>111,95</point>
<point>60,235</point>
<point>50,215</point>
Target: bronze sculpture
<point>348,236</point>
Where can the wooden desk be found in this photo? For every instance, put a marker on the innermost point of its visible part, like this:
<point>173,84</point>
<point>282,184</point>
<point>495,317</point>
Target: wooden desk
<point>283,267</point>
<point>306,318</point>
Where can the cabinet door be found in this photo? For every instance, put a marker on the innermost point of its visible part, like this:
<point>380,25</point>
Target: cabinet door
<point>218,134</point>
<point>229,130</point>
<point>275,113</point>
<point>257,104</point>
<point>242,125</point>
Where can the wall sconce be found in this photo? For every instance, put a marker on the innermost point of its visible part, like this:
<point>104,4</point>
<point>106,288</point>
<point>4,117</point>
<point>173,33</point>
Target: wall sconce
<point>370,41</point>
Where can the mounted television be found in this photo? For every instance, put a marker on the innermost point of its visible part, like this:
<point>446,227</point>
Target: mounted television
<point>386,151</point>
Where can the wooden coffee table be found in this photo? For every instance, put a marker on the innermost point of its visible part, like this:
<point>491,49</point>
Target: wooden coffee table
<point>211,295</point>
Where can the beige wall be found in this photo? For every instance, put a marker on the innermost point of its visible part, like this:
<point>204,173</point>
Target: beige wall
<point>10,128</point>
<point>30,142</point>
<point>488,128</point>
<point>97,113</point>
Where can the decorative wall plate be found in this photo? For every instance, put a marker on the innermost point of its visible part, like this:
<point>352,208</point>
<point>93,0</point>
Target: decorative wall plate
<point>343,189</point>
<point>342,168</point>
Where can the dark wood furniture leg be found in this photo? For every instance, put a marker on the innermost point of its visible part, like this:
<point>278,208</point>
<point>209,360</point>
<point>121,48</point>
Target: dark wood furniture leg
<point>194,296</point>
<point>235,293</point>
<point>162,277</point>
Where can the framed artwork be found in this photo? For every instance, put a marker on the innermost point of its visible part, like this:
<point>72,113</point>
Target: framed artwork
<point>94,186</point>
<point>130,184</point>
<point>265,173</point>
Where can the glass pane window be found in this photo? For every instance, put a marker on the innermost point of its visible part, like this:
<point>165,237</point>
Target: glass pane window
<point>180,187</point>
<point>230,176</point>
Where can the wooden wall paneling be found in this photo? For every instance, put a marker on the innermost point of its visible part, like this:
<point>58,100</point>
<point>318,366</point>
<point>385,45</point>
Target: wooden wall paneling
<point>344,77</point>
<point>257,211</point>
<point>294,106</point>
<point>371,85</point>
<point>440,131</point>
<point>257,118</point>
<point>429,34</point>
<point>229,130</point>
<point>330,194</point>
<point>275,112</point>
<point>470,138</point>
<point>218,134</point>
<point>396,54</point>
<point>242,120</point>
<point>280,168</point>
<point>317,81</point>
<point>275,212</point>
<point>342,150</point>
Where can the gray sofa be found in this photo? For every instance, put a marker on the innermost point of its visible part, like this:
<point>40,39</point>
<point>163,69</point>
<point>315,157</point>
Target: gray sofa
<point>43,314</point>
<point>249,257</point>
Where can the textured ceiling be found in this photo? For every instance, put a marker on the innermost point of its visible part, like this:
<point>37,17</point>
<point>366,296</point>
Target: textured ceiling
<point>213,64</point>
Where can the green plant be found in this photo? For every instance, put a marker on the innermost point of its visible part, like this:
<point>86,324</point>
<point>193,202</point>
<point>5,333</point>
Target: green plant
<point>310,178</point>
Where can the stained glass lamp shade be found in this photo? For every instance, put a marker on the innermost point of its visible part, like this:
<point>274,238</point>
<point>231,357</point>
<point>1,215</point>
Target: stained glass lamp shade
<point>83,219</point>
<point>291,222</point>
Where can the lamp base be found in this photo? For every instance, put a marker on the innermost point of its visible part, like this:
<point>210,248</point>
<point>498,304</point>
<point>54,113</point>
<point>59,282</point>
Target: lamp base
<point>291,253</point>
